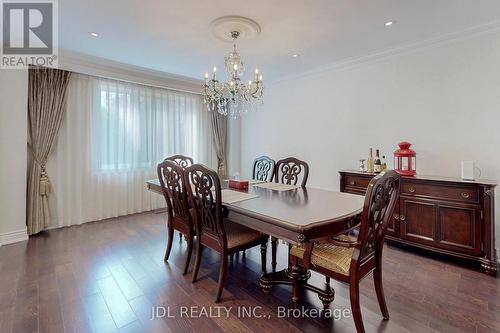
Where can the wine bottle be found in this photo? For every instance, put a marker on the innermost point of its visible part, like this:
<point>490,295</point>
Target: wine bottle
<point>384,163</point>
<point>377,164</point>
<point>370,161</point>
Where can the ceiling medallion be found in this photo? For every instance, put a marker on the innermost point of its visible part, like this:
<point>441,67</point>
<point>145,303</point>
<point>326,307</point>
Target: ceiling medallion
<point>233,97</point>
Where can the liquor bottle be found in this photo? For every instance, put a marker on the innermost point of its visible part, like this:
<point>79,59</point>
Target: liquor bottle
<point>384,163</point>
<point>377,164</point>
<point>370,161</point>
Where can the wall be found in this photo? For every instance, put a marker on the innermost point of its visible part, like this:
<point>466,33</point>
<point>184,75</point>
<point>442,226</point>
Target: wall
<point>13,152</point>
<point>444,99</point>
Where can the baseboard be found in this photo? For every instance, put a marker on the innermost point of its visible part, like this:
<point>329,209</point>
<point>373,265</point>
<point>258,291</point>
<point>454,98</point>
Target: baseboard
<point>13,237</point>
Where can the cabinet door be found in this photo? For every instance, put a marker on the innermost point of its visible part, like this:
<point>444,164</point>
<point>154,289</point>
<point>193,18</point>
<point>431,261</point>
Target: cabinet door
<point>393,226</point>
<point>418,220</point>
<point>459,228</point>
<point>448,226</point>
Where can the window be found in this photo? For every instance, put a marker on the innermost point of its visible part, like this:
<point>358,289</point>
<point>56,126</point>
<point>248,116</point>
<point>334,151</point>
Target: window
<point>135,126</point>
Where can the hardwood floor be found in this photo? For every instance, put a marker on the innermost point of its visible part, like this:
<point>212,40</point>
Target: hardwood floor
<point>106,276</point>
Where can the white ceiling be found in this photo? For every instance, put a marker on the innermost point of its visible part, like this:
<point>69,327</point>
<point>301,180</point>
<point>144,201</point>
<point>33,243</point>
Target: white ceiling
<point>173,35</point>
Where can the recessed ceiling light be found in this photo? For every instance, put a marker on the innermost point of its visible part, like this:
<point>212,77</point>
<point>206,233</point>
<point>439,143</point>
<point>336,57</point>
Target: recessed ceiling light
<point>94,34</point>
<point>389,23</point>
<point>295,55</point>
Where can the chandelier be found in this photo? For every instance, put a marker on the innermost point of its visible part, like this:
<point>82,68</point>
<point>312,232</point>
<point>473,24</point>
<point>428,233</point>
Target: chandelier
<point>234,96</point>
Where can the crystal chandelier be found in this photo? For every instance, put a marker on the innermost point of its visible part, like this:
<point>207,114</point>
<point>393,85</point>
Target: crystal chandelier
<point>233,97</point>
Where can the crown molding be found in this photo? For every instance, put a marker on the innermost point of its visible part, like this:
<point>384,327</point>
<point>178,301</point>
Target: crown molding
<point>13,237</point>
<point>407,48</point>
<point>96,66</point>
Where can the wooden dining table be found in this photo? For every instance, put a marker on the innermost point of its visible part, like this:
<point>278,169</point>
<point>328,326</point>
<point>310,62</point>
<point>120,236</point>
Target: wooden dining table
<point>297,216</point>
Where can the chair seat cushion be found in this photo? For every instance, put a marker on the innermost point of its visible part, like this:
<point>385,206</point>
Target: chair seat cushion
<point>238,234</point>
<point>329,256</point>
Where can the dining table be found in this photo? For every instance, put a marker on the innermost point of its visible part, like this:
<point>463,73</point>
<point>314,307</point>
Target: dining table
<point>295,215</point>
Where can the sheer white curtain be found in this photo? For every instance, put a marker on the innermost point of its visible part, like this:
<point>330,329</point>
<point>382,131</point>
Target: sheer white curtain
<point>110,142</point>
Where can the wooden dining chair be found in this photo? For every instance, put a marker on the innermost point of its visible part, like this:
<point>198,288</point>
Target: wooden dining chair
<point>290,170</point>
<point>263,168</point>
<point>212,229</point>
<point>182,160</point>
<point>349,259</point>
<point>171,177</point>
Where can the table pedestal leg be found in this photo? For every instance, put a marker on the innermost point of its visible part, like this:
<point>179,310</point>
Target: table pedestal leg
<point>284,276</point>
<point>297,277</point>
<point>327,296</point>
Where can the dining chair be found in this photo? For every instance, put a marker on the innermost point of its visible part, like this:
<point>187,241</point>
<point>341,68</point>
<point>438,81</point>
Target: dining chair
<point>349,259</point>
<point>290,170</point>
<point>171,177</point>
<point>184,162</point>
<point>263,168</point>
<point>212,229</point>
<point>287,171</point>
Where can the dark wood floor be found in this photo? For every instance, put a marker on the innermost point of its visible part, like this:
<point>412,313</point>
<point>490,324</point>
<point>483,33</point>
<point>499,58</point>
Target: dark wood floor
<point>106,276</point>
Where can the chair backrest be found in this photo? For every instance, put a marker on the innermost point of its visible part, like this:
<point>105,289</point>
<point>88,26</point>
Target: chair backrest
<point>205,195</point>
<point>380,201</point>
<point>183,161</point>
<point>290,170</point>
<point>171,177</point>
<point>263,168</point>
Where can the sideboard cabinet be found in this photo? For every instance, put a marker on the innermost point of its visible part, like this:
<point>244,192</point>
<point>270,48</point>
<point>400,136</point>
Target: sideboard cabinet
<point>445,215</point>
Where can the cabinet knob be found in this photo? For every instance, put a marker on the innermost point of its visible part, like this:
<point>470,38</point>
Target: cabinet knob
<point>396,216</point>
<point>465,195</point>
<point>411,189</point>
<point>402,218</point>
<point>352,182</point>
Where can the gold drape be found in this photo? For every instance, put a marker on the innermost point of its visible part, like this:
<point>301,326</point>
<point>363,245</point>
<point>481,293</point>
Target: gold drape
<point>46,108</point>
<point>219,125</point>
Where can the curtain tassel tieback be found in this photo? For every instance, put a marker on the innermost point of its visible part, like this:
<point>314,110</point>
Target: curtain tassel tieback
<point>44,183</point>
<point>44,193</point>
<point>221,168</point>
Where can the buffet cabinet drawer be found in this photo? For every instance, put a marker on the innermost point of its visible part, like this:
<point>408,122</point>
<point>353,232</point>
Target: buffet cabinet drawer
<point>355,181</point>
<point>442,192</point>
<point>355,190</point>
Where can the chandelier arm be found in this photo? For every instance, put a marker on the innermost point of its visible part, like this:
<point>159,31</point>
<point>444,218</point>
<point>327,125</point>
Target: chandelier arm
<point>217,91</point>
<point>257,88</point>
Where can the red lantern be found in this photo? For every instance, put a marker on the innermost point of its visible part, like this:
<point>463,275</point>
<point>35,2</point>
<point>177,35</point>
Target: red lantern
<point>405,160</point>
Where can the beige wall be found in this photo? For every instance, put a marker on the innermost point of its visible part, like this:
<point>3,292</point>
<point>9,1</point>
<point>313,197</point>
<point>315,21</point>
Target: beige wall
<point>13,154</point>
<point>444,99</point>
